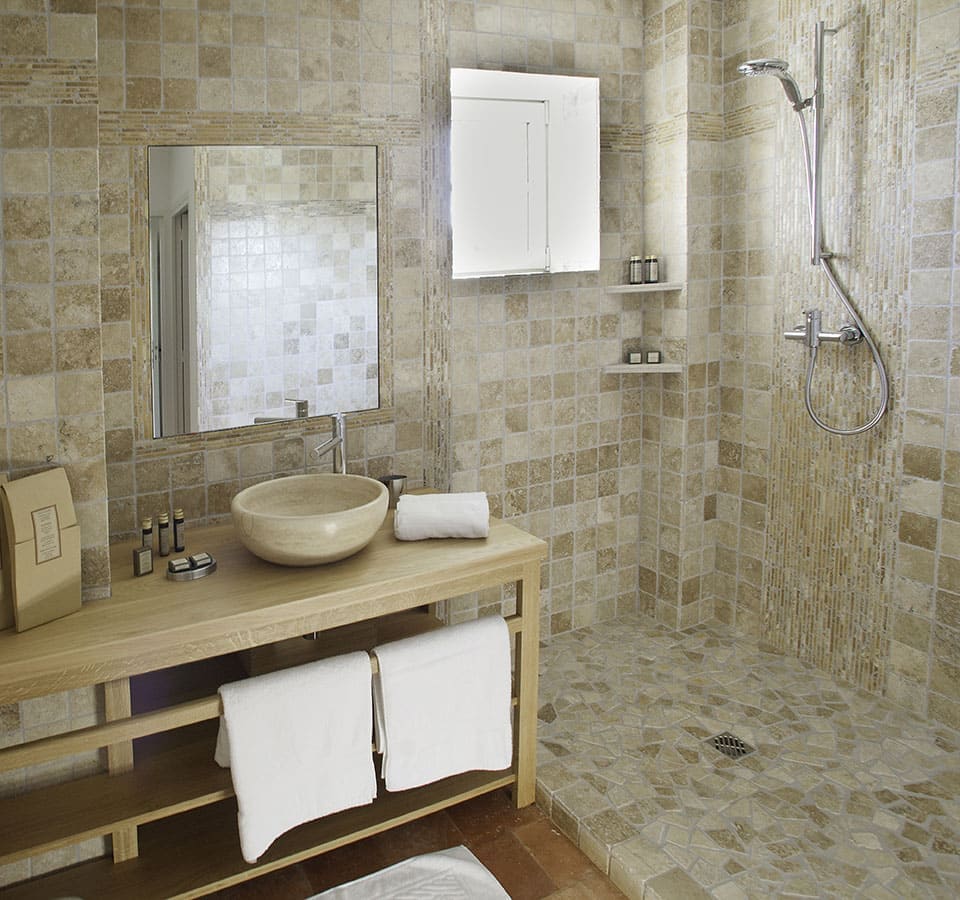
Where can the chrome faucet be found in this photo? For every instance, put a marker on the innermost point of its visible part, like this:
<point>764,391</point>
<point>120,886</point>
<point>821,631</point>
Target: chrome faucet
<point>302,412</point>
<point>337,442</point>
<point>808,331</point>
<point>302,406</point>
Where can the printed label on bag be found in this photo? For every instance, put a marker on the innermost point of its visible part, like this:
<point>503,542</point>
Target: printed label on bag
<point>46,534</point>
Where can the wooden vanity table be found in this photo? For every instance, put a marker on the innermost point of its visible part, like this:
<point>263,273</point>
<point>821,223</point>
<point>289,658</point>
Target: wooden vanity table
<point>168,807</point>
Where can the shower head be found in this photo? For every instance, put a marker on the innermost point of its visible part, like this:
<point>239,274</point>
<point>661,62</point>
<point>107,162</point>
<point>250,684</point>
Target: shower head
<point>778,69</point>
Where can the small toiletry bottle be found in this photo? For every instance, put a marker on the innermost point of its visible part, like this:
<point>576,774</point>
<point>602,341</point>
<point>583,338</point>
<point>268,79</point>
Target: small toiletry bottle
<point>142,561</point>
<point>179,541</point>
<point>636,270</point>
<point>163,534</point>
<point>651,270</point>
<point>146,532</point>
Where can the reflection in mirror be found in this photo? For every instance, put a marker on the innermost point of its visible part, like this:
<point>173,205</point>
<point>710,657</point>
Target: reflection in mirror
<point>263,284</point>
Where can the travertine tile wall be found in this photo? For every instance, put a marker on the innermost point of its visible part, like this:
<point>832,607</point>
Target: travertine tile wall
<point>52,402</point>
<point>534,423</point>
<point>825,598</point>
<point>51,397</point>
<point>615,472</point>
<point>681,217</point>
<point>347,72</point>
<point>843,550</point>
<point>751,110</point>
<point>626,440</point>
<point>924,671</point>
<point>704,269</point>
<point>666,36</point>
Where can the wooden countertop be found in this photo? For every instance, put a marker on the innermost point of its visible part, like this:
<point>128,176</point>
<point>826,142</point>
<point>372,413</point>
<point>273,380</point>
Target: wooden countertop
<point>151,622</point>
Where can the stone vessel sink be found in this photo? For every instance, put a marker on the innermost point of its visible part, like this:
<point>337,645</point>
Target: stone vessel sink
<point>309,520</point>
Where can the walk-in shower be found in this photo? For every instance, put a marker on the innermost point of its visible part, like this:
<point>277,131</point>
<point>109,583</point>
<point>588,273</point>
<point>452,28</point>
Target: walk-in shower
<point>808,331</point>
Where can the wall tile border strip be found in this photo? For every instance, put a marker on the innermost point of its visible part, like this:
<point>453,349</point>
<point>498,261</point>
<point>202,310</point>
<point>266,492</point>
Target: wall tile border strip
<point>140,129</point>
<point>48,81</point>
<point>437,256</point>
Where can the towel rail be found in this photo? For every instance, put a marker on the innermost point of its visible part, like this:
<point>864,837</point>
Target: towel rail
<point>94,737</point>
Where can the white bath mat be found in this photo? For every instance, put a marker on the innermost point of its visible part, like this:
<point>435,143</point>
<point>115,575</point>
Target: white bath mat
<point>454,874</point>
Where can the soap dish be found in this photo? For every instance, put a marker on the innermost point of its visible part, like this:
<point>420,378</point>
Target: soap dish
<point>194,572</point>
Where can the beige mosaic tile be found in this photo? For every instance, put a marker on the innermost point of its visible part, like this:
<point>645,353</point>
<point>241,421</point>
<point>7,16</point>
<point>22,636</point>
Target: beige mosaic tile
<point>844,795</point>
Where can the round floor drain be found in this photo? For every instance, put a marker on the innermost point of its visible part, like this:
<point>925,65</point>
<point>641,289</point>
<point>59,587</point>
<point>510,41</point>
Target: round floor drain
<point>730,745</point>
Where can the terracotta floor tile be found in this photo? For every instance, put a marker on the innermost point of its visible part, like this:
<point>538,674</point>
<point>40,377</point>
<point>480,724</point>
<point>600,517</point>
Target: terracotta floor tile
<point>342,865</point>
<point>554,853</point>
<point>593,886</point>
<point>291,883</point>
<point>436,832</point>
<point>490,815</point>
<point>514,867</point>
<point>541,864</point>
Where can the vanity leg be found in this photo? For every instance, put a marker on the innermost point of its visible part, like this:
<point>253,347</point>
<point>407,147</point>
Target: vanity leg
<point>116,695</point>
<point>528,653</point>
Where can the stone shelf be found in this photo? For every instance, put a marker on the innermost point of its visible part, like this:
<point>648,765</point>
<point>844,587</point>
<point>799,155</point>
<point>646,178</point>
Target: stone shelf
<point>643,369</point>
<point>644,288</point>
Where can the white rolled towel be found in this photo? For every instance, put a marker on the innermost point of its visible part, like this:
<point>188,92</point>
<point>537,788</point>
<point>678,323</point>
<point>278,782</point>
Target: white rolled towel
<point>421,516</point>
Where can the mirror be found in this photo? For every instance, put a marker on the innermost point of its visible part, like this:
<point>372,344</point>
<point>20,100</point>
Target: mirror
<point>263,284</point>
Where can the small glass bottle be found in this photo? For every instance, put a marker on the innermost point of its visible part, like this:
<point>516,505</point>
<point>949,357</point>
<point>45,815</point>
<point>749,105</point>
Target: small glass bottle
<point>142,561</point>
<point>163,534</point>
<point>636,270</point>
<point>651,270</point>
<point>146,532</point>
<point>179,539</point>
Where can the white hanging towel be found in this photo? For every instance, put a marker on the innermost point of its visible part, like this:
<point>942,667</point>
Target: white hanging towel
<point>461,515</point>
<point>442,702</point>
<point>298,746</point>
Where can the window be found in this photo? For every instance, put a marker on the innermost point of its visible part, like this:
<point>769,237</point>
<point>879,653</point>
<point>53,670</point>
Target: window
<point>525,166</point>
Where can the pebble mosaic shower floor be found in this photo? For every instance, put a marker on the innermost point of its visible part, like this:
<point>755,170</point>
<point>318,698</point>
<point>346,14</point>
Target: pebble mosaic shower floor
<point>845,795</point>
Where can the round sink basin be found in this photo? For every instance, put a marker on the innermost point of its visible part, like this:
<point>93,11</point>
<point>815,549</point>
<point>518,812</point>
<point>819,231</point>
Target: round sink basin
<point>308,520</point>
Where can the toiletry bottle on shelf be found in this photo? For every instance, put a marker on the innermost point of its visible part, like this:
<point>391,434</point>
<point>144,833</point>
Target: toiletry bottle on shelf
<point>651,270</point>
<point>146,532</point>
<point>636,270</point>
<point>163,534</point>
<point>179,540</point>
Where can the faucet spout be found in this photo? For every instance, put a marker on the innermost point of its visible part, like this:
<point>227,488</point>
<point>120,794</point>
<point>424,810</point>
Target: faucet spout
<point>302,412</point>
<point>337,442</point>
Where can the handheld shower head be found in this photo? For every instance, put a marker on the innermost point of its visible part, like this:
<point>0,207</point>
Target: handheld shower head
<point>778,69</point>
<point>763,67</point>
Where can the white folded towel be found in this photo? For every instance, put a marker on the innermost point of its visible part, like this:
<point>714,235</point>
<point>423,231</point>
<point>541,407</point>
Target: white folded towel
<point>298,746</point>
<point>420,516</point>
<point>442,702</point>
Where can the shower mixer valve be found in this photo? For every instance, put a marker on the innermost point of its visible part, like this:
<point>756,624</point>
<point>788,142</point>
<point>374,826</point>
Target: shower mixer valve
<point>809,332</point>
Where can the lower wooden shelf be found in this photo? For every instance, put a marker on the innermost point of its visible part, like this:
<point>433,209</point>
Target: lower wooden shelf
<point>196,852</point>
<point>167,783</point>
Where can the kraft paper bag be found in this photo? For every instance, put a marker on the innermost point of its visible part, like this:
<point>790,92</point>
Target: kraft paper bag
<point>40,548</point>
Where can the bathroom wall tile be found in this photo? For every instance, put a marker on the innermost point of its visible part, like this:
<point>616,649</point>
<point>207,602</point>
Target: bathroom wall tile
<point>922,438</point>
